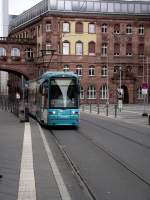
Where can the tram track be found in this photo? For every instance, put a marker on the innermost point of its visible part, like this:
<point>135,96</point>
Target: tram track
<point>76,170</point>
<point>118,134</point>
<point>116,158</point>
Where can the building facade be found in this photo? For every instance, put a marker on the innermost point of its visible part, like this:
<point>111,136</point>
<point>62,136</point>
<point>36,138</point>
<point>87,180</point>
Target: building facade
<point>106,43</point>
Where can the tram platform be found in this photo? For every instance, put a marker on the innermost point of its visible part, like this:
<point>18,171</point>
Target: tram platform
<point>24,169</point>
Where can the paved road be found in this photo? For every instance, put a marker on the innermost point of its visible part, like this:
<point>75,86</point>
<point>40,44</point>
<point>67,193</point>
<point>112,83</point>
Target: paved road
<point>112,157</point>
<point>105,159</point>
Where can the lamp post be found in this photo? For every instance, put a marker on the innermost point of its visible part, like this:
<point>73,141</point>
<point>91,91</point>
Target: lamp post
<point>120,92</point>
<point>145,87</point>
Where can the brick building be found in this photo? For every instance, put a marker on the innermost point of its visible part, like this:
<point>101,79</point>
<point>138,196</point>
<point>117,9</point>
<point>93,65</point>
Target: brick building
<point>107,43</point>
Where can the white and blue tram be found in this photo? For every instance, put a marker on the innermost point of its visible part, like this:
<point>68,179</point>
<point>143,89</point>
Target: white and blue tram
<point>54,99</point>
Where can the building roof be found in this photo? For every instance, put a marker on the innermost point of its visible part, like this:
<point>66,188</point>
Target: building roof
<point>96,7</point>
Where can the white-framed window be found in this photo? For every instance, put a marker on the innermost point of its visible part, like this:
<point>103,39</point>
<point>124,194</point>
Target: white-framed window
<point>103,92</point>
<point>104,71</point>
<point>139,93</point>
<point>129,29</point>
<point>15,52</point>
<point>81,93</point>
<point>104,28</point>
<point>66,68</point>
<point>91,70</point>
<point>66,27</point>
<point>91,92</point>
<point>66,48</point>
<point>79,70</point>
<point>48,27</point>
<point>48,48</point>
<point>141,29</point>
<point>92,28</point>
<point>28,53</point>
<point>104,49</point>
<point>79,48</point>
<point>2,51</point>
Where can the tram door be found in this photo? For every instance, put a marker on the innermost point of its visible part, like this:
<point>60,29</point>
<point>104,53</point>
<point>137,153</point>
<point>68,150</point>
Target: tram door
<point>44,102</point>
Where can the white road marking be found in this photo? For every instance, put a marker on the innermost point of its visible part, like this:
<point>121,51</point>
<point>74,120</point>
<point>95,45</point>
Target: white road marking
<point>59,180</point>
<point>27,189</point>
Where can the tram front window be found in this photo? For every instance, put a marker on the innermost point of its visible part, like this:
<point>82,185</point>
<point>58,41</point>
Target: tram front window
<point>63,93</point>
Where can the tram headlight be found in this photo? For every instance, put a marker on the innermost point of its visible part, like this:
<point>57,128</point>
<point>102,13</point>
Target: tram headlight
<point>52,112</point>
<point>75,112</point>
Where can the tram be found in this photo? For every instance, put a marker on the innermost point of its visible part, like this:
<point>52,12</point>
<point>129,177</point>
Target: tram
<point>54,99</point>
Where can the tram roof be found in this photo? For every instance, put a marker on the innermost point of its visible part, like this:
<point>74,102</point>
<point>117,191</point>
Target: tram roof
<point>81,7</point>
<point>58,74</point>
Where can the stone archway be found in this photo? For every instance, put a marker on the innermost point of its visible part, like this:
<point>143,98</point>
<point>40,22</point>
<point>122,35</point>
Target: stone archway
<point>125,94</point>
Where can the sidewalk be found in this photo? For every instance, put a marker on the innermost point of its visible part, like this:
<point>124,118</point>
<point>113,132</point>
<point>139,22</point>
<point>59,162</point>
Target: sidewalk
<point>11,138</point>
<point>131,113</point>
<point>24,165</point>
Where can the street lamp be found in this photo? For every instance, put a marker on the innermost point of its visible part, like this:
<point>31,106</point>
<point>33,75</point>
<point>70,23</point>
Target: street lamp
<point>120,91</point>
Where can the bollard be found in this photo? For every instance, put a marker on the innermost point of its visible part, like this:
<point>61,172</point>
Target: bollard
<point>115,110</point>
<point>90,107</point>
<point>107,109</point>
<point>98,109</point>
<point>26,114</point>
<point>148,119</point>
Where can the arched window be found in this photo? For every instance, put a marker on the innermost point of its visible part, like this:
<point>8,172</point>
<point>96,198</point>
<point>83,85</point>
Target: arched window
<point>129,29</point>
<point>116,49</point>
<point>139,93</point>
<point>117,28</point>
<point>141,29</point>
<point>81,93</point>
<point>91,92</point>
<point>104,70</point>
<point>104,49</point>
<point>66,27</point>
<point>129,49</point>
<point>91,48</point>
<point>15,52</point>
<point>103,92</point>
<point>2,51</point>
<point>66,48</point>
<point>79,70</point>
<point>28,53</point>
<point>48,48</point>
<point>79,48</point>
<point>92,28</point>
<point>79,27</point>
<point>48,27</point>
<point>91,70</point>
<point>141,50</point>
<point>66,68</point>
<point>104,28</point>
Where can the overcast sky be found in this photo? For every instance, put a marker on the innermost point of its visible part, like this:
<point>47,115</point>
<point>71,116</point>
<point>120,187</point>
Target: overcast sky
<point>19,6</point>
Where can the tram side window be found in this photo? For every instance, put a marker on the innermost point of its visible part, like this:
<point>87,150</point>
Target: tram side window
<point>45,94</point>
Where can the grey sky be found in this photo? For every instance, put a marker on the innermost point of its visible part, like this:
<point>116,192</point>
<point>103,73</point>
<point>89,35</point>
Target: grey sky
<point>19,6</point>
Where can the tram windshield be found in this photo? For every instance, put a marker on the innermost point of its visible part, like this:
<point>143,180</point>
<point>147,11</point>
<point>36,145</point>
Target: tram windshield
<point>63,93</point>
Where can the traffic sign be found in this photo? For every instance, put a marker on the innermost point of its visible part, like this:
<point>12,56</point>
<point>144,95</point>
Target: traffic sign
<point>144,91</point>
<point>145,86</point>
